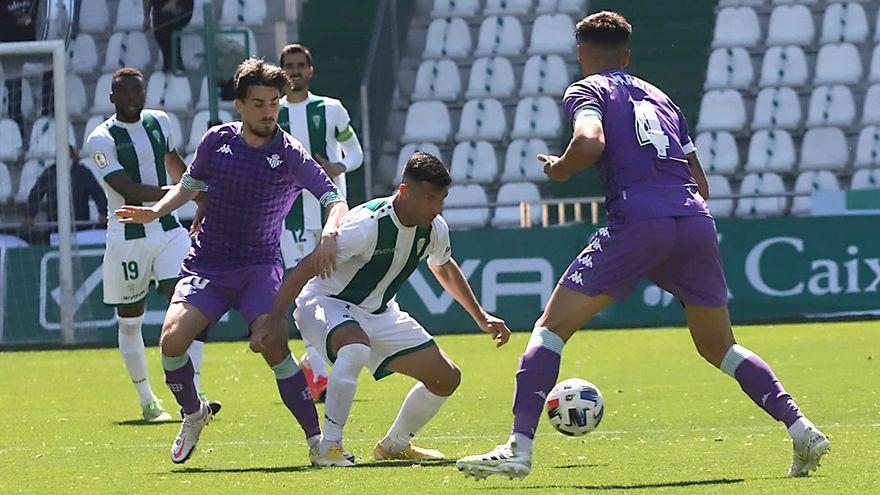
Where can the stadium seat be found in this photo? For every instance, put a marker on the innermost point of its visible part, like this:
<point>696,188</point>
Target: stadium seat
<point>202,104</point>
<point>94,16</point>
<point>736,26</point>
<point>552,33</point>
<point>491,78</point>
<point>168,92</point>
<point>824,148</point>
<point>427,121</point>
<point>719,186</point>
<point>761,183</point>
<point>455,8</point>
<point>407,151</point>
<point>237,13</point>
<point>784,66</point>
<point>521,162</point>
<point>821,180</point>
<point>127,50</point>
<point>537,116</point>
<point>10,141</point>
<point>101,102</point>
<point>129,16</point>
<point>777,108</point>
<point>790,25</point>
<point>191,57</point>
<point>740,3</point>
<point>866,179</point>
<point>567,6</point>
<point>515,192</point>
<point>838,63</point>
<point>507,7</point>
<point>717,152</point>
<point>25,94</point>
<point>482,120</point>
<point>437,80</point>
<point>499,35</point>
<point>198,17</point>
<point>868,148</point>
<point>771,151</point>
<point>12,242</point>
<point>28,177</point>
<point>722,110</point>
<point>871,113</point>
<point>729,68</point>
<point>42,140</point>
<point>448,37</point>
<point>466,217</point>
<point>5,183</point>
<point>544,75</point>
<point>474,161</point>
<point>200,125</point>
<point>874,74</point>
<point>82,55</point>
<point>844,22</point>
<point>831,105</point>
<point>77,101</point>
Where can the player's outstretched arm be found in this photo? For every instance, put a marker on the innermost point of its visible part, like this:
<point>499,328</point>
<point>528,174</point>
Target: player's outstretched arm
<point>586,147</point>
<point>453,280</point>
<point>176,197</point>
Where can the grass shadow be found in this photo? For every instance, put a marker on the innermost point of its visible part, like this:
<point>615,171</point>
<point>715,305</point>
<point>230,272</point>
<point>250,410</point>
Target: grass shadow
<point>144,422</point>
<point>639,486</point>
<point>575,466</point>
<point>297,469</point>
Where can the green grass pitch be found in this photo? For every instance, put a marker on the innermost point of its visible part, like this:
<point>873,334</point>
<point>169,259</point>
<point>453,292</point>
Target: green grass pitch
<point>673,424</point>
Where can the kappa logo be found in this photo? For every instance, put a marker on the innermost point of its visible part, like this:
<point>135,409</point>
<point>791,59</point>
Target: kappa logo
<point>586,260</point>
<point>541,394</point>
<point>577,278</point>
<point>225,149</point>
<point>274,160</point>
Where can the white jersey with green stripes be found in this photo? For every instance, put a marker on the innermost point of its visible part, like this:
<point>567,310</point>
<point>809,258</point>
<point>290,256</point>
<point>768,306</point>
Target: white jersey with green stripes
<point>377,254</point>
<point>137,149</point>
<point>320,123</point>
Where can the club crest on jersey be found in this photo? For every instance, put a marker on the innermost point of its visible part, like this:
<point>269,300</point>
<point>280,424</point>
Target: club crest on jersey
<point>274,160</point>
<point>100,160</point>
<point>316,120</point>
<point>225,149</point>
<point>420,245</point>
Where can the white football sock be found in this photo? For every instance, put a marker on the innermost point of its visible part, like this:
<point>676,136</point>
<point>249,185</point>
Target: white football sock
<point>196,351</point>
<point>523,444</point>
<point>341,387</point>
<point>131,346</point>
<point>799,427</point>
<point>419,406</point>
<point>319,366</point>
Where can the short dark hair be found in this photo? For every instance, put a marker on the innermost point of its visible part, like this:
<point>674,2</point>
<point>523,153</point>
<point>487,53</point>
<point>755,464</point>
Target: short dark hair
<point>125,72</point>
<point>295,48</point>
<point>604,28</point>
<point>256,72</point>
<point>424,167</point>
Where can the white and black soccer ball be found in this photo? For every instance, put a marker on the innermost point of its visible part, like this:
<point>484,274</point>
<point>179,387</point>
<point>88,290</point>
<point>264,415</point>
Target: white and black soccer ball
<point>575,407</point>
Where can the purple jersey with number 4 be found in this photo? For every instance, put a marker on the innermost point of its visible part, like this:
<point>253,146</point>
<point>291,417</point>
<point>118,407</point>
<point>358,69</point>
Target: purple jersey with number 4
<point>643,169</point>
<point>250,191</point>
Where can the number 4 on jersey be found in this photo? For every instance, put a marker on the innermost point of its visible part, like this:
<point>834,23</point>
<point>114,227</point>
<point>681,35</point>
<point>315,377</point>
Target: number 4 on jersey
<point>648,129</point>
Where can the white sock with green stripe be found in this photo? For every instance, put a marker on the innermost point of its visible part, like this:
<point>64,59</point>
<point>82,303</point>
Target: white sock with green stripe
<point>131,346</point>
<point>419,406</point>
<point>341,387</point>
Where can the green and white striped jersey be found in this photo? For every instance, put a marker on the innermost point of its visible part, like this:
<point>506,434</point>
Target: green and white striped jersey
<point>377,254</point>
<point>137,149</point>
<point>320,123</point>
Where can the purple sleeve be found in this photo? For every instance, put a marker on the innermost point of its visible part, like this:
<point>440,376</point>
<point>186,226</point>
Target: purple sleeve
<point>311,176</point>
<point>199,169</point>
<point>582,94</point>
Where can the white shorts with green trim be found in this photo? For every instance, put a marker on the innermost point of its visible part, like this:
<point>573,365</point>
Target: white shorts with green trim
<point>392,334</point>
<point>297,245</point>
<point>130,265</point>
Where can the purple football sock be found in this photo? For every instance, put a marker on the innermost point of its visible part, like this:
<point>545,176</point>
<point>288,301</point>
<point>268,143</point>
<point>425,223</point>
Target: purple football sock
<point>538,369</point>
<point>760,383</point>
<point>180,381</point>
<point>296,396</point>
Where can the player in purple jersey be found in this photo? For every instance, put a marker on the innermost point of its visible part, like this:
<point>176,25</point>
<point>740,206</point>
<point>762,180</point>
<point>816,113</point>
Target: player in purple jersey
<point>252,172</point>
<point>659,227</point>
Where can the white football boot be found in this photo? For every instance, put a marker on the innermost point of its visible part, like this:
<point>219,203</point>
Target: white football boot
<point>504,460</point>
<point>188,436</point>
<point>808,449</point>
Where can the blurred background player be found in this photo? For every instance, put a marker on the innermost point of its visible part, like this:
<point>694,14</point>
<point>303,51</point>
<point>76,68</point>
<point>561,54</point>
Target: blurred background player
<point>659,227</point>
<point>135,152</point>
<point>354,316</point>
<point>253,172</point>
<point>323,126</point>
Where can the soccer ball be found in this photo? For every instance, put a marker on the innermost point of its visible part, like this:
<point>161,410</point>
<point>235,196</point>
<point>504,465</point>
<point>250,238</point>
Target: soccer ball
<point>575,407</point>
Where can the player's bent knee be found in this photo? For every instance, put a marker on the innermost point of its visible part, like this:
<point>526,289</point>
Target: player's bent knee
<point>445,384</point>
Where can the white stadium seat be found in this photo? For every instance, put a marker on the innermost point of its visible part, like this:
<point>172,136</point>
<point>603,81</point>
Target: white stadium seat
<point>500,35</point>
<point>10,141</point>
<point>717,152</point>
<point>447,38</point>
<point>507,7</point>
<point>427,121</point>
<point>831,105</point>
<point>552,33</point>
<point>719,186</point>
<point>871,113</point>
<point>777,108</point>
<point>521,162</point>
<point>82,55</point>
<point>437,80</point>
<point>93,122</point>
<point>537,116</point>
<point>868,148</point>
<point>791,25</point>
<point>568,6</point>
<point>824,148</point>
<point>470,216</point>
<point>129,16</point>
<point>237,13</point>
<point>761,183</point>
<point>771,151</point>
<point>94,16</point>
<point>804,2</point>
<point>407,151</point>
<point>42,140</point>
<point>26,96</point>
<point>736,26</point>
<point>28,177</point>
<point>101,102</point>
<point>127,50</point>
<point>874,74</point>
<point>838,63</point>
<point>739,3</point>
<point>491,78</point>
<point>11,242</point>
<point>77,100</point>
<point>474,161</point>
<point>168,92</point>
<point>200,125</point>
<point>821,180</point>
<point>844,22</point>
<point>729,68</point>
<point>784,66</point>
<point>5,183</point>
<point>866,179</point>
<point>514,192</point>
<point>482,120</point>
<point>455,8</point>
<point>544,75</point>
<point>722,110</point>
